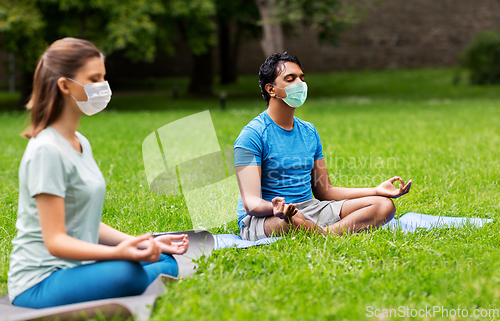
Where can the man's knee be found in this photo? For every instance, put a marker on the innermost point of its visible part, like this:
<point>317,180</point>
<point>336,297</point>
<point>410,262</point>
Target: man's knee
<point>385,210</point>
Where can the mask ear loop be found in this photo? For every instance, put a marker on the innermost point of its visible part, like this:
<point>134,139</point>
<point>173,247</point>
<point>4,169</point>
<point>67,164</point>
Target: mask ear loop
<point>279,88</point>
<point>75,81</point>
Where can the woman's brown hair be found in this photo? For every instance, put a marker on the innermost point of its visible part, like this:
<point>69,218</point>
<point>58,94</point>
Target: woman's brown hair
<point>62,59</point>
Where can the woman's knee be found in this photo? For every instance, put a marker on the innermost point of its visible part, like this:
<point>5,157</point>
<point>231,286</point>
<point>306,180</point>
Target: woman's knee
<point>169,265</point>
<point>130,276</point>
<point>165,265</point>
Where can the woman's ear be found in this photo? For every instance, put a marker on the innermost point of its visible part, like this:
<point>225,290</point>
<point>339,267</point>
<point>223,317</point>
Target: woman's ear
<point>62,83</point>
<point>270,90</point>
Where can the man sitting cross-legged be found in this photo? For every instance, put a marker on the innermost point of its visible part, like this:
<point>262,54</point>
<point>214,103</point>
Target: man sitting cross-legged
<point>279,163</point>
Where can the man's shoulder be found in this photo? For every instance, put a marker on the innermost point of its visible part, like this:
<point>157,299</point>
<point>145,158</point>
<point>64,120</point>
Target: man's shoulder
<point>258,124</point>
<point>305,124</point>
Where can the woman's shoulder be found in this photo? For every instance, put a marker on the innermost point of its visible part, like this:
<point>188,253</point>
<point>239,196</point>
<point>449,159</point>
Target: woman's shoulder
<point>43,148</point>
<point>50,143</point>
<point>45,142</point>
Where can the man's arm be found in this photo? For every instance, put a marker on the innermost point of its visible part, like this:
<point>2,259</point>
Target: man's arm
<point>249,183</point>
<point>281,216</point>
<point>324,190</point>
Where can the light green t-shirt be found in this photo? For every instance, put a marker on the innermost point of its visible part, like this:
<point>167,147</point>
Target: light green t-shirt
<point>51,165</point>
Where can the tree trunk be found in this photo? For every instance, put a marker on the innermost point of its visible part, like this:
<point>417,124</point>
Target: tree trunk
<point>25,88</point>
<point>272,35</point>
<point>202,75</point>
<point>228,52</point>
<point>12,73</point>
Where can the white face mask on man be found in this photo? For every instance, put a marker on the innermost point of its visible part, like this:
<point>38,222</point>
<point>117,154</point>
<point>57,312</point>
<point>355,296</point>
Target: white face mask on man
<point>98,97</point>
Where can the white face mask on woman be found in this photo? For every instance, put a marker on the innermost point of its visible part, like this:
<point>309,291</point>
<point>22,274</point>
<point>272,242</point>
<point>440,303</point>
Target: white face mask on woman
<point>98,97</point>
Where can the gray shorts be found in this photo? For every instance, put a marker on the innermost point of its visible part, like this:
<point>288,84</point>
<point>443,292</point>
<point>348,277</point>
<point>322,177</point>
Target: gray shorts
<point>323,213</point>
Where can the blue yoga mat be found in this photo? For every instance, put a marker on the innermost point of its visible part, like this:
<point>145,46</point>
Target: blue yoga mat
<point>409,222</point>
<point>230,240</point>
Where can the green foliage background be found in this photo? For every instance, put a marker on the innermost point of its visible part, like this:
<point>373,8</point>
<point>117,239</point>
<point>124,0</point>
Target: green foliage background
<point>140,27</point>
<point>482,58</point>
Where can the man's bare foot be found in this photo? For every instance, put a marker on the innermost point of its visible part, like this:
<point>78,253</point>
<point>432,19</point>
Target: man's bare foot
<point>282,210</point>
<point>299,222</point>
<point>294,219</point>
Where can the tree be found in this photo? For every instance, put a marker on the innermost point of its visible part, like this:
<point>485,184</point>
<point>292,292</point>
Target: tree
<point>272,20</point>
<point>198,30</point>
<point>328,17</point>
<point>236,21</point>
<point>139,27</point>
<point>20,23</point>
<point>272,40</point>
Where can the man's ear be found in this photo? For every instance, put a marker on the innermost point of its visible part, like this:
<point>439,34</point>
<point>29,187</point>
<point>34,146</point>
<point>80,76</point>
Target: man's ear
<point>62,83</point>
<point>270,90</point>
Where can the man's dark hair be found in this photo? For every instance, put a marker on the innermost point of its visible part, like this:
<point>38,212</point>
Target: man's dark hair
<point>271,68</point>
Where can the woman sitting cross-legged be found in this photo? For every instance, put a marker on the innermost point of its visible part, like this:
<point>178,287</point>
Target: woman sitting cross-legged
<point>63,253</point>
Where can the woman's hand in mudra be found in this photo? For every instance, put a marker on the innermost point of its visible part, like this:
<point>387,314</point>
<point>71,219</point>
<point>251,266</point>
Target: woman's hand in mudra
<point>141,249</point>
<point>173,243</point>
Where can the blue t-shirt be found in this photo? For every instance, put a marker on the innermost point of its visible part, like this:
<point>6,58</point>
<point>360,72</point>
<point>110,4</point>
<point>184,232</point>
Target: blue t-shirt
<point>286,158</point>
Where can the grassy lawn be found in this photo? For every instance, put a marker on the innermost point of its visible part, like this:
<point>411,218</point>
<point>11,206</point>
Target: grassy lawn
<point>373,125</point>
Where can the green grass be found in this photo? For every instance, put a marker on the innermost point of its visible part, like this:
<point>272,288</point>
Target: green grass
<point>373,125</point>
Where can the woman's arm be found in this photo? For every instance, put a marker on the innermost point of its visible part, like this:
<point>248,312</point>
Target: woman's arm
<point>110,236</point>
<point>171,244</point>
<point>324,190</point>
<point>51,212</point>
